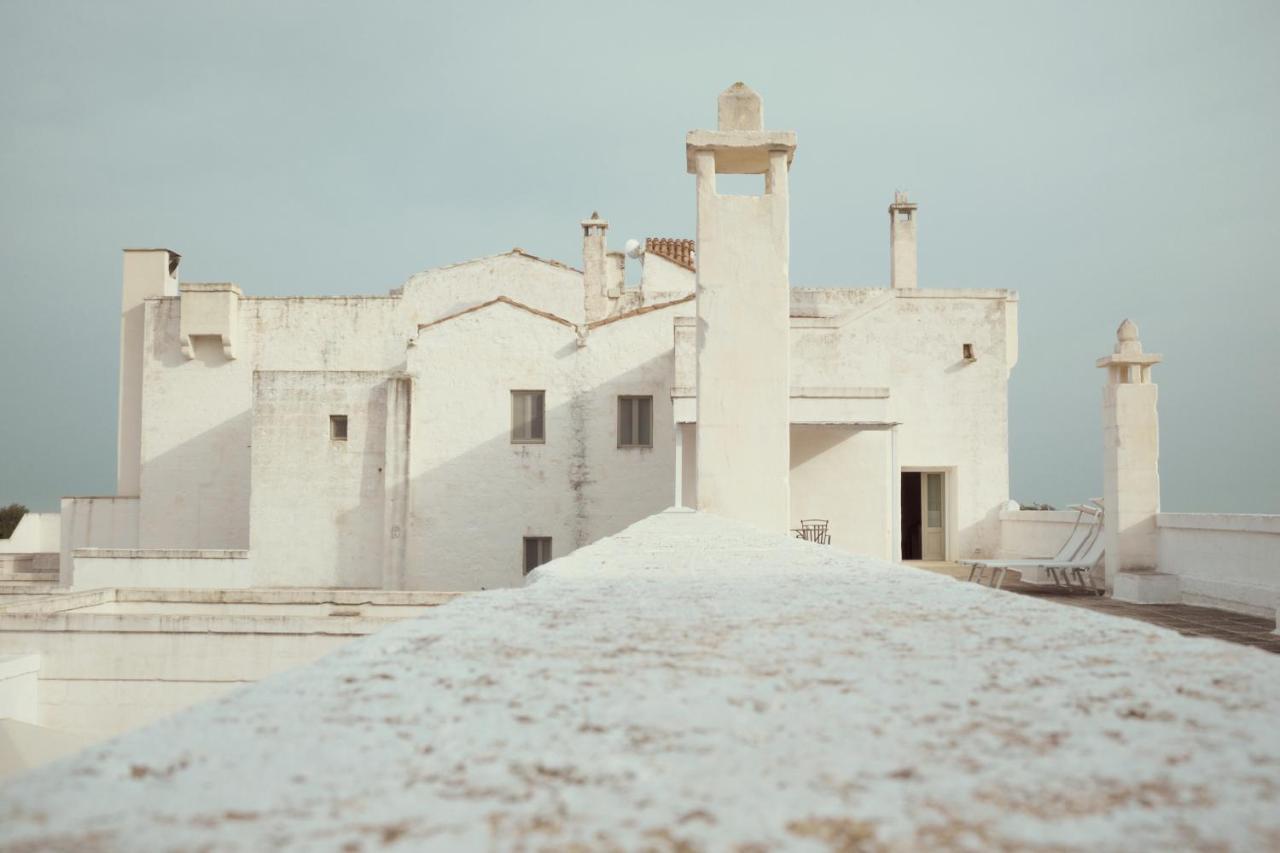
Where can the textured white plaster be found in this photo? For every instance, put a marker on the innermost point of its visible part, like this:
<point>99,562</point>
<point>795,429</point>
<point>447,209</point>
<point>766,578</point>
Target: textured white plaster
<point>36,533</point>
<point>1227,561</point>
<point>696,682</point>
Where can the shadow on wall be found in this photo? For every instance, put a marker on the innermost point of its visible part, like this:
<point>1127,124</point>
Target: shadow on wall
<point>469,513</point>
<point>196,493</point>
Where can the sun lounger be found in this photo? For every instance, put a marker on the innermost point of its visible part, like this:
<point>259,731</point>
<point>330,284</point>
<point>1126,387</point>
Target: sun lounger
<point>1080,567</point>
<point>1087,527</point>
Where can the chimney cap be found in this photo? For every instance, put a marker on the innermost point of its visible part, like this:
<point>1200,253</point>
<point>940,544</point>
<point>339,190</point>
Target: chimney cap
<point>901,202</point>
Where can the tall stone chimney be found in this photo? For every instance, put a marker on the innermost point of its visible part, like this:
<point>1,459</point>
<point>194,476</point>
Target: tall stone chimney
<point>1131,457</point>
<point>595,282</point>
<point>902,242</point>
<point>743,329</point>
<point>147,272</point>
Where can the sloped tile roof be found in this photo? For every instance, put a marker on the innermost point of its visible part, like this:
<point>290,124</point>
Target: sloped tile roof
<point>672,248</point>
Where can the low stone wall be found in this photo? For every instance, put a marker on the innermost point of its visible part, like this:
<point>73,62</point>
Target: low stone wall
<point>172,568</point>
<point>36,533</point>
<point>1025,534</point>
<point>113,659</point>
<point>1226,561</point>
<point>95,522</point>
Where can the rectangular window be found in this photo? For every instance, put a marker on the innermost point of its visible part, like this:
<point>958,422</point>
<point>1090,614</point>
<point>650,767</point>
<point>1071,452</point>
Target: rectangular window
<point>338,427</point>
<point>537,550</point>
<point>528,417</point>
<point>635,421</point>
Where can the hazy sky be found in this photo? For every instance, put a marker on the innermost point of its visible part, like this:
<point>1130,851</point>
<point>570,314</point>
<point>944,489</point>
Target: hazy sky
<point>1106,160</point>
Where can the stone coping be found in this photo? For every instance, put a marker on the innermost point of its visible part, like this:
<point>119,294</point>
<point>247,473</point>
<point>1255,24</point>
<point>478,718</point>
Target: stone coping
<point>1225,522</point>
<point>161,553</point>
<point>867,392</point>
<point>698,684</point>
<point>209,287</point>
<point>1053,516</point>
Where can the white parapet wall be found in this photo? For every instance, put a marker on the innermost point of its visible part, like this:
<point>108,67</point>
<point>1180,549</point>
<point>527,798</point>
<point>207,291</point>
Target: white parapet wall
<point>168,568</point>
<point>109,660</point>
<point>1227,561</point>
<point>1231,562</point>
<point>36,533</point>
<point>1026,534</point>
<point>95,522</point>
<point>691,683</point>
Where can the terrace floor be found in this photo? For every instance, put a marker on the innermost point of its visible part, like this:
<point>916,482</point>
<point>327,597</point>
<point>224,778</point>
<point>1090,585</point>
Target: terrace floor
<point>1184,618</point>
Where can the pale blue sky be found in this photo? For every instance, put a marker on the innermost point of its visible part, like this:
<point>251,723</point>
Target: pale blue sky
<point>1105,159</point>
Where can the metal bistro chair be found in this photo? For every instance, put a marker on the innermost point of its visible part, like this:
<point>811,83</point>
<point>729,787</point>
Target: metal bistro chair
<point>814,530</point>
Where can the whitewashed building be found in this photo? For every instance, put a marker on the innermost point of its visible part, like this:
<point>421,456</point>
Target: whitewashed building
<point>488,415</point>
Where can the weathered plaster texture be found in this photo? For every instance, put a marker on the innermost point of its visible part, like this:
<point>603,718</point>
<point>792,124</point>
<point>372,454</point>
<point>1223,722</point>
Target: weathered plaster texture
<point>113,659</point>
<point>695,683</point>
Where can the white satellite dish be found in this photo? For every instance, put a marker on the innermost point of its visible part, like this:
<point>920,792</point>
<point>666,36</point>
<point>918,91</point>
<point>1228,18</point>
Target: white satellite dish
<point>634,249</point>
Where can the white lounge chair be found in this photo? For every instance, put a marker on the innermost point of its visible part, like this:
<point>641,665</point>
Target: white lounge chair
<point>1080,567</point>
<point>1087,527</point>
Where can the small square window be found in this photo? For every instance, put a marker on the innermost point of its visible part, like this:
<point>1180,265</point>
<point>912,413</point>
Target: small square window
<point>537,550</point>
<point>635,421</point>
<point>528,417</point>
<point>338,427</point>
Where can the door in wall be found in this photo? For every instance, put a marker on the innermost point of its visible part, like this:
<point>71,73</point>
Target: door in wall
<point>932,515</point>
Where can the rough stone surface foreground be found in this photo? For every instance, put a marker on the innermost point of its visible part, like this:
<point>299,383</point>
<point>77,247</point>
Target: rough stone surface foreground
<point>694,683</point>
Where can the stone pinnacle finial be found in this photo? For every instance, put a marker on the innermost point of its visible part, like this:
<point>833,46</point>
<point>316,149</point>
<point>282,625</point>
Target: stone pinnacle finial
<point>740,108</point>
<point>1127,342</point>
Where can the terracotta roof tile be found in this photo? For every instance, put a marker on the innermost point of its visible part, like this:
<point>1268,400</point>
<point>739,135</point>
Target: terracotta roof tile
<point>673,249</point>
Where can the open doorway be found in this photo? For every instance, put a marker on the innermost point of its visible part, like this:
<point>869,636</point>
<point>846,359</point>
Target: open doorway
<point>924,515</point>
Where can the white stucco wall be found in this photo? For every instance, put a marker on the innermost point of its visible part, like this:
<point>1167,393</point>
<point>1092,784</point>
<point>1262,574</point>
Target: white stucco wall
<point>1025,534</point>
<point>110,660</point>
<point>547,285</point>
<point>36,533</point>
<point>1221,560</point>
<point>475,495</point>
<point>19,697</point>
<point>208,470</point>
<point>953,414</point>
<point>96,568</point>
<point>842,474</point>
<point>663,280</point>
<point>848,346</point>
<point>317,503</point>
<point>95,522</point>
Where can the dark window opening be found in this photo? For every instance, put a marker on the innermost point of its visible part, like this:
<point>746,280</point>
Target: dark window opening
<point>537,550</point>
<point>528,417</point>
<point>338,427</point>
<point>635,421</point>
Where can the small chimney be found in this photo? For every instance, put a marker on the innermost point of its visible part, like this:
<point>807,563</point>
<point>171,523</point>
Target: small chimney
<point>595,262</point>
<point>902,242</point>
